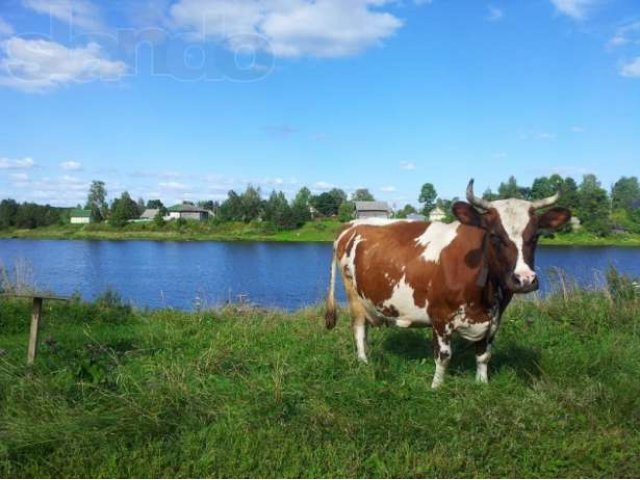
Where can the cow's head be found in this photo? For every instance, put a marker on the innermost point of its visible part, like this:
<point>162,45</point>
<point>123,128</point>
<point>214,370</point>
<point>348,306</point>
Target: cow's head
<point>513,228</point>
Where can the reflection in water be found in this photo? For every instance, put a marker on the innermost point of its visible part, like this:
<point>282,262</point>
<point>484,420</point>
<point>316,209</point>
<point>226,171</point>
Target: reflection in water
<point>290,276</point>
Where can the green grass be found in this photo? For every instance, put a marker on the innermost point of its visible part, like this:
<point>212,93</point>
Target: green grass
<point>317,231</point>
<point>117,392</point>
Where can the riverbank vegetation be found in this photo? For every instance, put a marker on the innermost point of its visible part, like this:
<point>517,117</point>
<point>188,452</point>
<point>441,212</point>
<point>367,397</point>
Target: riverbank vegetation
<point>243,392</point>
<point>603,217</point>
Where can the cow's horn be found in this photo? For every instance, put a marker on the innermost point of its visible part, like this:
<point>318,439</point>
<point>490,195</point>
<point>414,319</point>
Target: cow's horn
<point>476,201</point>
<point>546,202</point>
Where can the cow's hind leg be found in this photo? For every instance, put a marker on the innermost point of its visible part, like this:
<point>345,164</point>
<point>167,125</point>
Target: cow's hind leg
<point>483,355</point>
<point>441,355</point>
<point>358,319</point>
<point>360,332</point>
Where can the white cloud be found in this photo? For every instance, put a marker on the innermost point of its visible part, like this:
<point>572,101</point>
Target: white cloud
<point>577,129</point>
<point>5,29</point>
<point>70,165</point>
<point>576,9</point>
<point>322,186</point>
<point>63,190</point>
<point>40,65</point>
<point>626,34</point>
<point>545,136</point>
<point>80,13</point>
<point>494,14</point>
<point>173,186</point>
<point>20,163</point>
<point>290,28</point>
<point>388,189</point>
<point>19,177</point>
<point>631,69</point>
<point>407,165</point>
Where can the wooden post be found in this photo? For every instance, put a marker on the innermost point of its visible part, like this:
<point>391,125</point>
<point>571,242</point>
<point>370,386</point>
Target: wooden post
<point>36,314</point>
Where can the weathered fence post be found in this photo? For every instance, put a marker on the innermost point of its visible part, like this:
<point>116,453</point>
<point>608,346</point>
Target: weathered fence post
<point>36,315</point>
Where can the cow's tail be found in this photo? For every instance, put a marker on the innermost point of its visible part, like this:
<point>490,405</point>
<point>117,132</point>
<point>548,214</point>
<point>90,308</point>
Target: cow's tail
<point>331,316</point>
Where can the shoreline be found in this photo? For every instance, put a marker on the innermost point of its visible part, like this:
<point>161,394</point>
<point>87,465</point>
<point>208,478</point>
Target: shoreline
<point>315,232</point>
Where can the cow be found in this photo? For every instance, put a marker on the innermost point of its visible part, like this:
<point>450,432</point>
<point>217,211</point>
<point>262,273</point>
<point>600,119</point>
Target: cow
<point>457,277</point>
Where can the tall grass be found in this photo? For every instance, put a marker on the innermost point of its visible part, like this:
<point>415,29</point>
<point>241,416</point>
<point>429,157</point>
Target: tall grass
<point>240,392</point>
<point>17,280</point>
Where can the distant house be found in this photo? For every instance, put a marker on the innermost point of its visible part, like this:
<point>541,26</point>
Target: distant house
<point>149,214</point>
<point>79,216</point>
<point>437,215</point>
<point>189,211</point>
<point>416,216</point>
<point>372,209</point>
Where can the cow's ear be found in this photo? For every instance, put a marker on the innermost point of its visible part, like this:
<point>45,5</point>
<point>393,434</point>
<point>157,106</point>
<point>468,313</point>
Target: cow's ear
<point>554,218</point>
<point>467,215</point>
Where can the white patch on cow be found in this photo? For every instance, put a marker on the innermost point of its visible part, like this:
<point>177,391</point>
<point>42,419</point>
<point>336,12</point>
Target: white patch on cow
<point>403,301</point>
<point>515,217</point>
<point>436,238</point>
<point>347,262</point>
<point>361,341</point>
<point>377,221</point>
<point>473,331</point>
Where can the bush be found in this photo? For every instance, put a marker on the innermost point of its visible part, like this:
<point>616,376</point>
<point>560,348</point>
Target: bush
<point>622,288</point>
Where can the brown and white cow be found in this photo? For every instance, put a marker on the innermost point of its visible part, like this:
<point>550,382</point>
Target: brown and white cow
<point>456,277</point>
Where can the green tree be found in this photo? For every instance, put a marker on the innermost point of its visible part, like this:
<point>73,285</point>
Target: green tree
<point>97,201</point>
<point>362,195</point>
<point>231,209</point>
<point>427,198</point>
<point>8,211</point>
<point>157,205</point>
<point>542,187</point>
<point>326,204</point>
<point>158,219</point>
<point>301,207</point>
<point>278,212</point>
<point>569,197</point>
<point>405,211</point>
<point>625,194</point>
<point>594,208</point>
<point>339,197</point>
<point>346,211</point>
<point>490,195</point>
<point>510,189</point>
<point>123,209</point>
<point>252,204</point>
<point>303,197</point>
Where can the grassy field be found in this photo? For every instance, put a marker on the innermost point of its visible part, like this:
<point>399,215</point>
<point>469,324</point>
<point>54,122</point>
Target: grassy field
<point>316,231</point>
<point>242,392</point>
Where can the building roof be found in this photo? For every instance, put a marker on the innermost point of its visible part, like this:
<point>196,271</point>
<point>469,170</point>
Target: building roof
<point>416,216</point>
<point>150,213</point>
<point>79,212</point>
<point>372,206</point>
<point>187,207</point>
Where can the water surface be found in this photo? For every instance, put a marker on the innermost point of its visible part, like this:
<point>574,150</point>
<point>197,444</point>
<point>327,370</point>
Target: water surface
<point>186,275</point>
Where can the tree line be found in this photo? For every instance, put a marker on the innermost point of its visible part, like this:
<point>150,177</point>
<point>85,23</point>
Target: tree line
<point>600,211</point>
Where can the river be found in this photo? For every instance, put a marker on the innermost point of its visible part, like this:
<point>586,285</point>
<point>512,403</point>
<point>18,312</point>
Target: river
<point>188,275</point>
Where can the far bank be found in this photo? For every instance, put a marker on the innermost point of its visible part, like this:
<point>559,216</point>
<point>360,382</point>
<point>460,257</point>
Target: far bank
<point>316,231</point>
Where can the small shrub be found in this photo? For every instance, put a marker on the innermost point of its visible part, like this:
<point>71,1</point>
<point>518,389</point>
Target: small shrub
<point>622,288</point>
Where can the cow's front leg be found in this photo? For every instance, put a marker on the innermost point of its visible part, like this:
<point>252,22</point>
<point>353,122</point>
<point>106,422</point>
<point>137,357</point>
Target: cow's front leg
<point>483,355</point>
<point>441,354</point>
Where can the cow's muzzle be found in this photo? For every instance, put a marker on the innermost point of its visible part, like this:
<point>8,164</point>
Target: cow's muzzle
<point>519,285</point>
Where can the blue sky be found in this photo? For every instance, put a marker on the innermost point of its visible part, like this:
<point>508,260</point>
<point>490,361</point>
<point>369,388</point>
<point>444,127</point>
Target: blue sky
<point>186,99</point>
